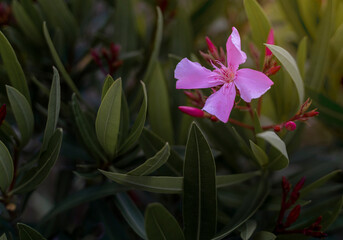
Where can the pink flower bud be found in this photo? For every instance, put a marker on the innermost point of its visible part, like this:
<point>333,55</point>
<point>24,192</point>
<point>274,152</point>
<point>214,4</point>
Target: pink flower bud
<point>312,113</point>
<point>273,70</point>
<point>194,112</point>
<point>270,40</point>
<point>290,126</point>
<point>2,113</point>
<point>211,47</point>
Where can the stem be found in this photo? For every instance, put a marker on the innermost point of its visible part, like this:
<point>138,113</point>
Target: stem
<point>259,106</point>
<point>238,123</point>
<point>250,110</point>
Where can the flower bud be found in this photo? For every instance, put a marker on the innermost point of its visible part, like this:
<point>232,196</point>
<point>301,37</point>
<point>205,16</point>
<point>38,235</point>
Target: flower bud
<point>211,47</point>
<point>270,40</point>
<point>290,126</point>
<point>277,128</point>
<point>191,111</point>
<point>2,113</point>
<point>293,216</point>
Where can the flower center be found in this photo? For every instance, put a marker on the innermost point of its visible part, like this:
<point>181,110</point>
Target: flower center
<point>225,74</point>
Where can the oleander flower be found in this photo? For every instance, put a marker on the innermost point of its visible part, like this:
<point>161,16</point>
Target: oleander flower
<point>223,80</point>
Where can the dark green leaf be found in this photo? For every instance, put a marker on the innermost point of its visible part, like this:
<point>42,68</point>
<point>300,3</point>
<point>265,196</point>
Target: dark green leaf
<point>199,188</point>
<point>259,154</point>
<point>247,229</point>
<point>250,204</point>
<point>138,126</point>
<point>131,213</point>
<point>53,109</point>
<point>264,235</point>
<point>58,61</point>
<point>153,163</point>
<point>47,160</point>
<point>3,237</point>
<point>6,167</point>
<point>22,113</point>
<point>28,233</point>
<point>160,224</point>
<point>108,119</point>
<point>107,84</point>
<point>13,68</point>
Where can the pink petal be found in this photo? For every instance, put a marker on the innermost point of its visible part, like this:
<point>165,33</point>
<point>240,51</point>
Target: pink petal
<point>235,56</point>
<point>191,75</point>
<point>251,84</point>
<point>221,102</point>
<point>270,40</point>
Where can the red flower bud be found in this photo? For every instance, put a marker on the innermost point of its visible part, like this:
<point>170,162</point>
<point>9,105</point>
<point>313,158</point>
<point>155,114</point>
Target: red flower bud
<point>293,216</point>
<point>277,128</point>
<point>270,40</point>
<point>2,113</point>
<point>273,70</point>
<point>312,113</point>
<point>194,112</point>
<point>290,126</point>
<point>211,47</point>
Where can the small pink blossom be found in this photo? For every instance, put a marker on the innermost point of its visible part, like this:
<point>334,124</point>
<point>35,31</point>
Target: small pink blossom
<point>270,40</point>
<point>290,126</point>
<point>226,78</point>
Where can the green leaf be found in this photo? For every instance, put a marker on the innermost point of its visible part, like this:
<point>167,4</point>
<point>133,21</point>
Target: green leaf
<point>306,190</point>
<point>199,188</point>
<point>250,204</point>
<point>138,126</point>
<point>22,113</point>
<point>159,106</point>
<point>264,235</point>
<point>290,65</point>
<point>13,68</point>
<point>58,61</point>
<point>53,108</point>
<point>131,213</point>
<point>153,163</point>
<point>160,224</point>
<point>108,119</point>
<point>259,23</point>
<point>37,175</point>
<point>3,237</point>
<point>151,144</point>
<point>28,233</point>
<point>309,11</point>
<point>156,46</point>
<point>171,185</point>
<point>247,229</point>
<point>320,58</point>
<point>280,160</point>
<point>83,196</point>
<point>6,167</point>
<point>301,56</point>
<point>258,129</point>
<point>86,131</point>
<point>26,24</point>
<point>259,154</point>
<point>107,84</point>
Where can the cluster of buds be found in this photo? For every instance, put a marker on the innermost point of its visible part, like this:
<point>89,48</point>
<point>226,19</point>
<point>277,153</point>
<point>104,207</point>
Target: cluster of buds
<point>270,66</point>
<point>213,55</point>
<point>314,230</point>
<point>302,115</point>
<point>111,57</point>
<point>5,14</point>
<point>2,113</point>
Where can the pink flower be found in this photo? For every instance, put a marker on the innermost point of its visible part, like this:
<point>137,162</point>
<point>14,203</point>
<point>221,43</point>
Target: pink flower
<point>270,40</point>
<point>250,83</point>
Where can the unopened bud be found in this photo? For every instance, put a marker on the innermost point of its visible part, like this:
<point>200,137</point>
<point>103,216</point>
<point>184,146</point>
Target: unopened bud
<point>2,113</point>
<point>270,40</point>
<point>273,70</point>
<point>211,47</point>
<point>293,216</point>
<point>286,186</point>
<point>312,113</point>
<point>191,111</point>
<point>277,128</point>
<point>290,126</point>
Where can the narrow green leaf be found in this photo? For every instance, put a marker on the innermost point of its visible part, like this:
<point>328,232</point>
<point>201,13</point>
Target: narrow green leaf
<point>47,160</point>
<point>151,144</point>
<point>309,11</point>
<point>319,60</point>
<point>290,65</point>
<point>87,131</point>
<point>306,190</point>
<point>3,237</point>
<point>250,204</point>
<point>248,229</point>
<point>264,235</point>
<point>259,154</point>
<point>199,188</point>
<point>13,68</point>
<point>107,84</point>
<point>108,119</point>
<point>83,196</point>
<point>53,109</point>
<point>259,23</point>
<point>31,10</point>
<point>138,126</point>
<point>26,24</point>
<point>6,167</point>
<point>131,213</point>
<point>153,163</point>
<point>160,224</point>
<point>171,185</point>
<point>159,106</point>
<point>279,161</point>
<point>241,143</point>
<point>28,233</point>
<point>58,61</point>
<point>301,56</point>
<point>22,113</point>
<point>156,46</point>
